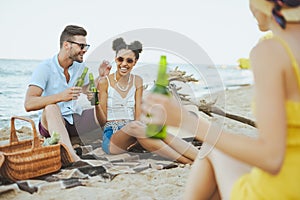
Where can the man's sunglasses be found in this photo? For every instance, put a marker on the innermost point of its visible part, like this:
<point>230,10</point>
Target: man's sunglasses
<point>81,45</point>
<point>128,60</point>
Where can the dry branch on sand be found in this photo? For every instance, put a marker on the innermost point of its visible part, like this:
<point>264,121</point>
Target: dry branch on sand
<point>207,107</point>
<point>177,75</point>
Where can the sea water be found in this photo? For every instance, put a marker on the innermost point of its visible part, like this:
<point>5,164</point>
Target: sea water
<point>15,74</point>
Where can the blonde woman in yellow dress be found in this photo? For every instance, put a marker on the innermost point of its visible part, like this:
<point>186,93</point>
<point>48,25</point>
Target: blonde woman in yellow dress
<point>267,166</point>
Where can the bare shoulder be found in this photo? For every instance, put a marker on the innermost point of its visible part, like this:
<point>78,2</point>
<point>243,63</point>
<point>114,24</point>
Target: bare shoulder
<point>265,47</point>
<point>138,81</point>
<point>268,54</point>
<point>138,78</point>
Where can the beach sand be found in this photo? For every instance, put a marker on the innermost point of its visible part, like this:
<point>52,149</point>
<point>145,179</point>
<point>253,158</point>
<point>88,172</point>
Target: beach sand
<point>150,183</point>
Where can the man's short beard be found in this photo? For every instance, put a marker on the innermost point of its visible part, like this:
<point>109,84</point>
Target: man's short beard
<point>74,58</point>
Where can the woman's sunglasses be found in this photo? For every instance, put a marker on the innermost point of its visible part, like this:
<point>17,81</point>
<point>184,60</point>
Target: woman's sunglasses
<point>128,60</point>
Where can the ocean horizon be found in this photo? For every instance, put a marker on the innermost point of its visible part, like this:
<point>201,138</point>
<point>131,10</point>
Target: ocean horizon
<point>15,74</point>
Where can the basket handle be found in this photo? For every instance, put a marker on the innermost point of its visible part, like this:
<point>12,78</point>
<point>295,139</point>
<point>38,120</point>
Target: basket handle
<point>13,134</point>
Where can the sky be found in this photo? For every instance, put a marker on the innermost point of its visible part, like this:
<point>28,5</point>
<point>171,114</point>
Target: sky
<point>226,30</point>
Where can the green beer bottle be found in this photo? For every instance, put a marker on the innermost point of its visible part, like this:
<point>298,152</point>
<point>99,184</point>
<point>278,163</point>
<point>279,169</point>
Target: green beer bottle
<point>80,79</point>
<point>92,88</point>
<point>51,140</point>
<point>153,130</point>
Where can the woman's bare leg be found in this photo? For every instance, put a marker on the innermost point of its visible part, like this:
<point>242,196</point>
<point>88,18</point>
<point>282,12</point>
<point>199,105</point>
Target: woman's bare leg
<point>133,131</point>
<point>201,183</point>
<point>227,171</point>
<point>182,147</point>
<point>120,141</point>
<point>214,176</point>
<point>161,148</point>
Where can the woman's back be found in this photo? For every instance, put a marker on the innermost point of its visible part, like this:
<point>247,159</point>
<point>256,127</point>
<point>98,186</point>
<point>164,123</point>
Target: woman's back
<point>259,184</point>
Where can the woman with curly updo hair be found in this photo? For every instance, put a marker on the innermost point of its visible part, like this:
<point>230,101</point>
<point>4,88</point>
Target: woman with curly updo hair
<point>120,108</point>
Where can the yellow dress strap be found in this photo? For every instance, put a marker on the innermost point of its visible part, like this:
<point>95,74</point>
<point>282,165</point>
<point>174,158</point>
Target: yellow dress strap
<point>291,55</point>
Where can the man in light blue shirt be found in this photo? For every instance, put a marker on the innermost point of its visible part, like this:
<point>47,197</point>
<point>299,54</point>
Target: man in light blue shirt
<point>52,89</point>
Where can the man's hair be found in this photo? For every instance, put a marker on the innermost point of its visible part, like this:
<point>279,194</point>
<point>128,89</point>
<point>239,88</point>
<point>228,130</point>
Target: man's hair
<point>70,31</point>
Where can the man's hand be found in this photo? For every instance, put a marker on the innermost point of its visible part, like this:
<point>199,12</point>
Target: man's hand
<point>71,93</point>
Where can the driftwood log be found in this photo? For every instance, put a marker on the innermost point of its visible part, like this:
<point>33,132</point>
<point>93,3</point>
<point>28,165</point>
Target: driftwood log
<point>202,105</point>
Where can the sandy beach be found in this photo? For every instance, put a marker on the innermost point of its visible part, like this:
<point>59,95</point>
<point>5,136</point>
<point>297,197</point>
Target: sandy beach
<point>147,184</point>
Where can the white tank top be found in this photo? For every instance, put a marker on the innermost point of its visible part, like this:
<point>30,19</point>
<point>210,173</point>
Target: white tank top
<point>119,108</point>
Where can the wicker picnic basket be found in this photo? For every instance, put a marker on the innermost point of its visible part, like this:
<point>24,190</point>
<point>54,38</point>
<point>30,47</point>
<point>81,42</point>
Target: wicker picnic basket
<point>27,159</point>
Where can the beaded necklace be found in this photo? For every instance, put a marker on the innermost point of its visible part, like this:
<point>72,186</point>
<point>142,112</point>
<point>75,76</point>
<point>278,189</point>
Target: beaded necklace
<point>125,88</point>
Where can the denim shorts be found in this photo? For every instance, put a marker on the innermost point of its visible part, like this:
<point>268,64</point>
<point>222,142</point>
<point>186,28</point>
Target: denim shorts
<point>109,129</point>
